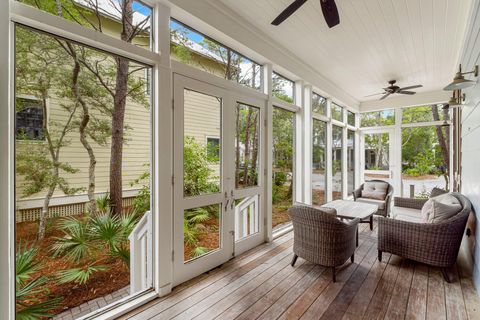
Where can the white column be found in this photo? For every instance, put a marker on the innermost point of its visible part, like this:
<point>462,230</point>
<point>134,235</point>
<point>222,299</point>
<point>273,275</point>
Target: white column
<point>344,165</point>
<point>162,191</point>
<point>299,143</point>
<point>357,153</point>
<point>396,154</point>
<point>328,178</point>
<point>7,207</point>
<point>267,87</point>
<point>307,146</point>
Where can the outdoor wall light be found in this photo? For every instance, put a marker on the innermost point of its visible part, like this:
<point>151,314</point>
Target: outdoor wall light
<point>457,99</point>
<point>459,82</point>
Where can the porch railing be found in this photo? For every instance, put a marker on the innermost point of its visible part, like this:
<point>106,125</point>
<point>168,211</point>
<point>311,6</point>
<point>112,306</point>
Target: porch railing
<point>141,254</point>
<point>246,217</point>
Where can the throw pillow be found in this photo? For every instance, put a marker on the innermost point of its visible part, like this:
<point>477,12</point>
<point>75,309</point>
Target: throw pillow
<point>377,195</point>
<point>441,208</point>
<point>375,190</point>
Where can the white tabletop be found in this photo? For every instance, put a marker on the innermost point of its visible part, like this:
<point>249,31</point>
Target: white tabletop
<point>351,209</point>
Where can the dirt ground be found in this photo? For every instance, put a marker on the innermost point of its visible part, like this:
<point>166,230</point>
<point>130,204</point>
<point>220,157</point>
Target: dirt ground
<point>100,284</point>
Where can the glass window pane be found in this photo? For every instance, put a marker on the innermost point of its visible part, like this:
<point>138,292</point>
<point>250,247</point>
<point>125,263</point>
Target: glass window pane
<point>84,187</point>
<point>337,150</point>
<point>105,16</point>
<point>201,163</point>
<point>428,113</point>
<point>283,155</point>
<point>283,88</point>
<point>350,161</point>
<point>319,157</point>
<point>247,216</point>
<point>197,50</point>
<point>337,112</point>
<point>201,231</point>
<point>351,118</point>
<point>247,158</point>
<point>377,118</point>
<point>319,104</point>
<point>425,160</point>
<point>377,153</point>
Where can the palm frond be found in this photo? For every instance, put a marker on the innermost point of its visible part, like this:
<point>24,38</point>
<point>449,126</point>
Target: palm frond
<point>25,265</point>
<point>78,275</point>
<point>76,241</point>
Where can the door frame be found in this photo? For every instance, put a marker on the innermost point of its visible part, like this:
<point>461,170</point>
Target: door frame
<point>394,165</point>
<point>229,248</point>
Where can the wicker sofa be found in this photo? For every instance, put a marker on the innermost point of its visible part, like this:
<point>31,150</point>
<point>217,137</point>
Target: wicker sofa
<point>383,205</point>
<point>435,243</point>
<point>321,238</point>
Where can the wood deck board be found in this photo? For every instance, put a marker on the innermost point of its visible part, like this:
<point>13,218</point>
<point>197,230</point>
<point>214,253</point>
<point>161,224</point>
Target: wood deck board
<point>261,284</point>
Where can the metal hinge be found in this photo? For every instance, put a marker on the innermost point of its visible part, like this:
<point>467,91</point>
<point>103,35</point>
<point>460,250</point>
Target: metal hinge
<point>173,103</point>
<point>265,122</point>
<point>173,180</point>
<point>173,255</point>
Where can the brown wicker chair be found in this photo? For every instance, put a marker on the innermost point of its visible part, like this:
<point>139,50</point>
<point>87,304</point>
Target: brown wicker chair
<point>435,244</point>
<point>383,206</point>
<point>321,238</point>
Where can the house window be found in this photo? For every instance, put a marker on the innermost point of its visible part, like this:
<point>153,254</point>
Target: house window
<point>283,88</point>
<point>29,119</point>
<point>213,149</point>
<point>351,118</point>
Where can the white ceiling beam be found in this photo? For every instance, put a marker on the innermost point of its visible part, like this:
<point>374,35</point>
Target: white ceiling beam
<point>399,101</point>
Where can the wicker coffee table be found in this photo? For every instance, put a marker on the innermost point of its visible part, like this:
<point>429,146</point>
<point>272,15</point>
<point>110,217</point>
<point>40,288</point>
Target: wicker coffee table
<point>347,209</point>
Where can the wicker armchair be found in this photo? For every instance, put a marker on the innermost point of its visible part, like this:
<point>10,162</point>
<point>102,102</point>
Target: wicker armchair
<point>383,206</point>
<point>321,238</point>
<point>435,244</point>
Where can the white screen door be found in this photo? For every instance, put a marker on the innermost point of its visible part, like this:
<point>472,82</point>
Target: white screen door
<point>377,155</point>
<point>217,176</point>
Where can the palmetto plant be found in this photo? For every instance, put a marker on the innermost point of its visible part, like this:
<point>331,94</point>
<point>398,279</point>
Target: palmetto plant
<point>28,307</point>
<point>89,241</point>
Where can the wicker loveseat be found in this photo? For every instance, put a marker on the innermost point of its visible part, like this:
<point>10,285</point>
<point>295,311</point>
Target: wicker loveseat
<point>384,204</point>
<point>435,243</point>
<point>321,238</point>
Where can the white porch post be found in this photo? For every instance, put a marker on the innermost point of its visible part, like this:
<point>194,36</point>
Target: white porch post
<point>307,146</point>
<point>299,143</point>
<point>396,148</point>
<point>344,164</point>
<point>357,153</point>
<point>163,150</point>
<point>329,177</point>
<point>267,87</point>
<point>7,216</point>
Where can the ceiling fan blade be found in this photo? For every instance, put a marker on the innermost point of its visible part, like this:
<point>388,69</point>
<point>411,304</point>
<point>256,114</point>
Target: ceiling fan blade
<point>288,11</point>
<point>406,92</point>
<point>375,94</point>
<point>386,95</point>
<point>411,87</point>
<point>330,12</point>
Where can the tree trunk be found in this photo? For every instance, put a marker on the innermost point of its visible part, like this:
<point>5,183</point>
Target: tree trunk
<point>83,134</point>
<point>255,144</point>
<point>118,114</point>
<point>247,147</point>
<point>444,144</point>
<point>237,150</point>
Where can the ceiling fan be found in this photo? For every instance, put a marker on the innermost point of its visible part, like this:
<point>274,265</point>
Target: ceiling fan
<point>392,89</point>
<point>329,9</point>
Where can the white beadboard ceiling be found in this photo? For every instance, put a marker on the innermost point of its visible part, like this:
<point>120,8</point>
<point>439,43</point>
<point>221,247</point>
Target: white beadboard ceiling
<point>411,41</point>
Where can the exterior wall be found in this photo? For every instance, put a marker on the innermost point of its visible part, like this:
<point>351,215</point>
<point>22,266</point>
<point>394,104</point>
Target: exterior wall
<point>471,146</point>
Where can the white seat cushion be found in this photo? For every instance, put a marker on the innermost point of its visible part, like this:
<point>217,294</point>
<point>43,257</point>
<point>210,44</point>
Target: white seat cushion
<point>379,203</point>
<point>408,214</point>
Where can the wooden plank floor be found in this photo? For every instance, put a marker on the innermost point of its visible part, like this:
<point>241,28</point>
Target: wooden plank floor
<point>261,284</point>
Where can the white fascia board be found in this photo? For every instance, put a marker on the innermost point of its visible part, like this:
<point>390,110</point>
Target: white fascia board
<point>220,17</point>
<point>400,101</point>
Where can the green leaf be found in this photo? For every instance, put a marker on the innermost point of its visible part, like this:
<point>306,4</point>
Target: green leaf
<point>79,275</point>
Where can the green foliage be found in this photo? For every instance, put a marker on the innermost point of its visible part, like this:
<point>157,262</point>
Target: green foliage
<point>377,118</point>
<point>28,289</point>
<point>197,172</point>
<point>279,178</point>
<point>84,239</point>
<point>78,275</point>
<point>141,203</point>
